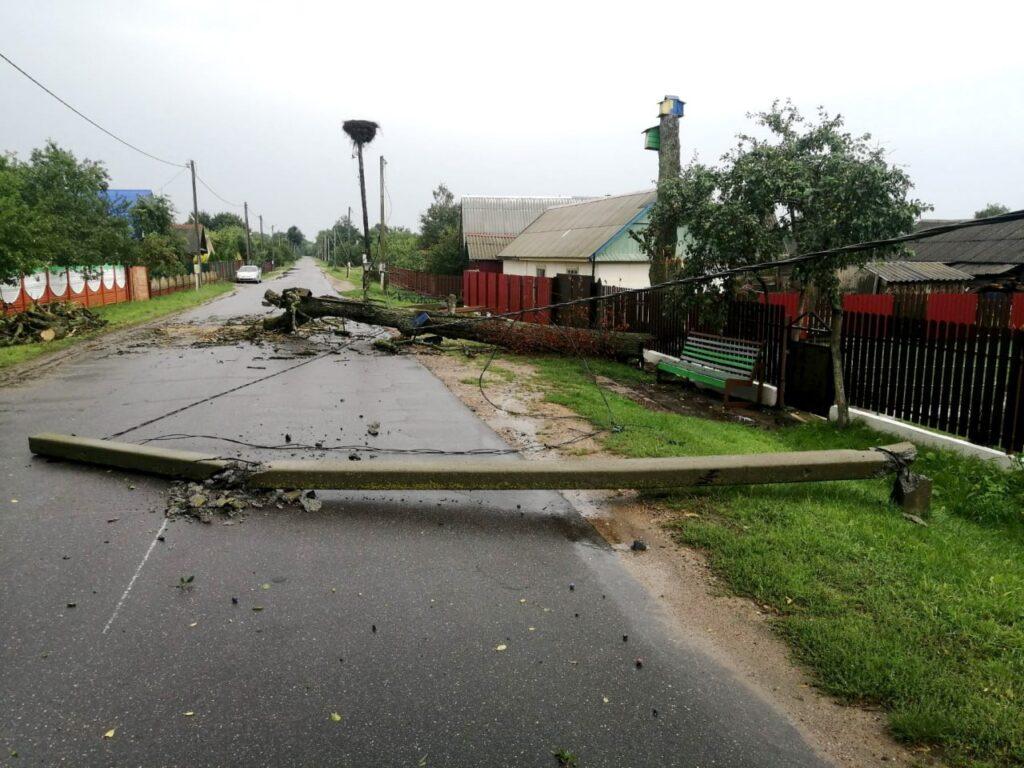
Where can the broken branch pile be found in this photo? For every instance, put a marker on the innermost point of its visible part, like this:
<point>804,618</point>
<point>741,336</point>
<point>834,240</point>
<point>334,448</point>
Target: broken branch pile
<point>301,307</point>
<point>46,322</point>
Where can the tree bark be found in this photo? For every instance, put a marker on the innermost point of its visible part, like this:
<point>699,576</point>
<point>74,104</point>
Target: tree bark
<point>301,307</point>
<point>835,340</point>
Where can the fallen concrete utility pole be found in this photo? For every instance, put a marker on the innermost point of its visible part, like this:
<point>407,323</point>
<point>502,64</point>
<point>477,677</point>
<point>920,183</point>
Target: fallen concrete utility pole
<point>507,475</point>
<point>301,306</point>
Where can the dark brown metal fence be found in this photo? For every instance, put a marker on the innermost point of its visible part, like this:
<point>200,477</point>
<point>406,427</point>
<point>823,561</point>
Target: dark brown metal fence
<point>965,379</point>
<point>426,283</point>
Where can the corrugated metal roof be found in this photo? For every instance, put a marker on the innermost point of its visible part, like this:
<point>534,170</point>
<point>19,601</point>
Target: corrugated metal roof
<point>980,270</point>
<point>917,272</point>
<point>485,246</point>
<point>988,243</point>
<point>490,223</point>
<point>575,232</point>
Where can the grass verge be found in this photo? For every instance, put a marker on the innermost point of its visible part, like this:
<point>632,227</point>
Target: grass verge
<point>395,297</point>
<point>119,316</point>
<point>926,622</point>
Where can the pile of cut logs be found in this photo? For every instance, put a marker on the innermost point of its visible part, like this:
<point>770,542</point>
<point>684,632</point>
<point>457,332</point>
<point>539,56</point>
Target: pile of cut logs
<point>46,322</point>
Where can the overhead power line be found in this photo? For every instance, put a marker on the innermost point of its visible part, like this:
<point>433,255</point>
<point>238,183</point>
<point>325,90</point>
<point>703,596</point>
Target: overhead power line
<point>213,192</point>
<point>791,261</point>
<point>89,119</point>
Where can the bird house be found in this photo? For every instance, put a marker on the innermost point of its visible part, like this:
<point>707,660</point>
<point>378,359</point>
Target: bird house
<point>671,105</point>
<point>652,138</point>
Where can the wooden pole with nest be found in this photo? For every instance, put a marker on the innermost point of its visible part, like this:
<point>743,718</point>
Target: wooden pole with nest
<point>362,132</point>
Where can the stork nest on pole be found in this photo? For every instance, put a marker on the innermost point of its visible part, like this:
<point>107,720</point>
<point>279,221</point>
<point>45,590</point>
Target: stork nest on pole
<point>360,131</point>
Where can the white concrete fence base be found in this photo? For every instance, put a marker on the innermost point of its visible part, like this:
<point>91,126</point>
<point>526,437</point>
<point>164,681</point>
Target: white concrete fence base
<point>923,436</point>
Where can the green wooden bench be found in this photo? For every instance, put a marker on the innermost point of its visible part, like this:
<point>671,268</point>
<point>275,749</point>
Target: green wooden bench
<point>717,362</point>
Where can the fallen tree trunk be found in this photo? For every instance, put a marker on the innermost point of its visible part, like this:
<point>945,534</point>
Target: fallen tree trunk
<point>300,307</point>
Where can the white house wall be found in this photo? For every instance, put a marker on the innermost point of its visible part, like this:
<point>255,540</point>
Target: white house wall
<point>625,275</point>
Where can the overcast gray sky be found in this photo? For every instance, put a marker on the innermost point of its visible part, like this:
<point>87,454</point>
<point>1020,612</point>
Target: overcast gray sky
<point>524,98</point>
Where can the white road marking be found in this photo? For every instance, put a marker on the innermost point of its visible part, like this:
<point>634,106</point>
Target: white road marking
<point>159,533</point>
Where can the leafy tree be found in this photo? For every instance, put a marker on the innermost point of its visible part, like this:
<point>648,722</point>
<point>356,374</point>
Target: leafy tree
<point>295,236</point>
<point>401,247</point>
<point>152,215</point>
<point>228,242</point>
<point>18,223</point>
<point>204,219</point>
<point>807,186</point>
<point>226,219</point>
<point>992,209</point>
<point>164,255</point>
<point>440,238</point>
<point>75,223</point>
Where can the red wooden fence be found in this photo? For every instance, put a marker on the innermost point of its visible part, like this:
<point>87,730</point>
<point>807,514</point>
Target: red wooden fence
<point>426,283</point>
<point>1004,310</point>
<point>500,293</point>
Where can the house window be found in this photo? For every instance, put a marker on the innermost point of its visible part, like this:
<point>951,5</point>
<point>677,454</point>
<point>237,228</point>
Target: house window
<point>540,271</point>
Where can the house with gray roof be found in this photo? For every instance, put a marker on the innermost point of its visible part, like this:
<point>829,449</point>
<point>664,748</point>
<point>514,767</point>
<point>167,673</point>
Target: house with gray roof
<point>491,223</point>
<point>988,252</point>
<point>587,238</point>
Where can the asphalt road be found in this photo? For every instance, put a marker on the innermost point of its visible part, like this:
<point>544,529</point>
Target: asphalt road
<point>386,609</point>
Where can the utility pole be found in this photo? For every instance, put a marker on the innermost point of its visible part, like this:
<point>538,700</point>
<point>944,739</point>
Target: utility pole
<point>380,235</point>
<point>195,225</point>
<point>248,240</point>
<point>263,242</point>
<point>348,241</point>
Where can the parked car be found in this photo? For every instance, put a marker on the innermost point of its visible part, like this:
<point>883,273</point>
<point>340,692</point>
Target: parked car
<point>249,273</point>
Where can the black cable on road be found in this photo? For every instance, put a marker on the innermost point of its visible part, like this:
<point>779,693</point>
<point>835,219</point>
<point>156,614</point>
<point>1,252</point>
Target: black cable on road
<point>176,411</point>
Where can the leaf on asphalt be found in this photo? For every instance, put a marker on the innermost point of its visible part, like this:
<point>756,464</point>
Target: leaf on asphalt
<point>335,717</point>
<point>194,624</point>
<point>190,713</point>
<point>604,699</point>
<point>109,734</point>
<point>265,586</point>
<point>501,647</point>
<point>257,607</point>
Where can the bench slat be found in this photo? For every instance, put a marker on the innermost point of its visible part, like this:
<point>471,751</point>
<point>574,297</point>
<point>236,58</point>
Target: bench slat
<point>740,345</point>
<point>688,373</point>
<point>726,361</point>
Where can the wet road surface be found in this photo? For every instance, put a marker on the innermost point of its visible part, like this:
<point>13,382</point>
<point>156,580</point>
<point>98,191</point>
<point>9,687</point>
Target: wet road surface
<point>386,609</point>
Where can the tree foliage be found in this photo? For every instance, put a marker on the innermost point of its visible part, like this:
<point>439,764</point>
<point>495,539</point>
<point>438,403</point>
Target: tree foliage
<point>53,211</point>
<point>295,236</point>
<point>152,215</point>
<point>440,234</point>
<point>992,209</point>
<point>228,242</point>
<point>205,219</point>
<point>225,219</point>
<point>18,223</point>
<point>799,186</point>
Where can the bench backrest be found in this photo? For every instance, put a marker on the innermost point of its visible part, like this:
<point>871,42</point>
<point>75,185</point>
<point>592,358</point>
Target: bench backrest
<point>736,357</point>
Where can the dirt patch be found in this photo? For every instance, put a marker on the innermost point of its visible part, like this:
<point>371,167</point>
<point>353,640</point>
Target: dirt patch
<point>337,283</point>
<point>672,397</point>
<point>735,631</point>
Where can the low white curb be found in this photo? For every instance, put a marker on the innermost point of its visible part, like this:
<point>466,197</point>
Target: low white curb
<point>924,436</point>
